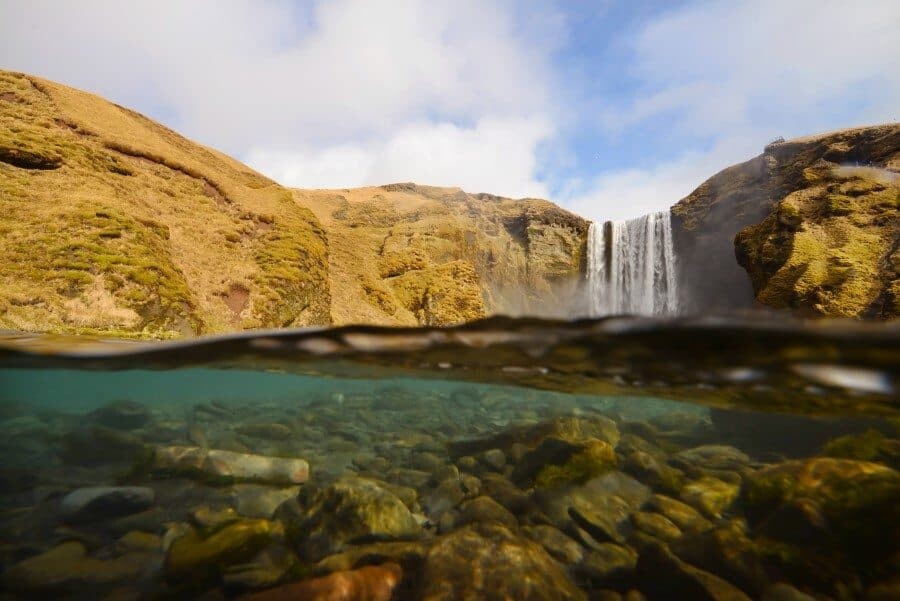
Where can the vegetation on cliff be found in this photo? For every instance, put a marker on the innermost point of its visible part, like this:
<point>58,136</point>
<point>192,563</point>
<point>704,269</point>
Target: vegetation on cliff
<point>114,225</point>
<point>422,255</point>
<point>814,222</point>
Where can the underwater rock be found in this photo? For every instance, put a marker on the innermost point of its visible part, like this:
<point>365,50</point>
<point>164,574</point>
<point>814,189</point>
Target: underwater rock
<point>98,445</point>
<point>600,506</point>
<point>681,514</point>
<point>214,463</point>
<point>259,501</point>
<point>711,496</point>
<point>711,457</point>
<point>206,518</point>
<point>370,583</point>
<point>488,561</point>
<point>265,430</point>
<point>349,511</point>
<point>66,570</point>
<point>663,576</point>
<point>409,554</point>
<point>727,552</point>
<point>197,559</point>
<point>607,565</point>
<point>785,592</point>
<point>656,525</point>
<point>485,509</point>
<point>569,429</point>
<point>555,462</point>
<point>870,445</point>
<point>853,503</point>
<point>121,415</point>
<point>506,493</point>
<point>104,502</point>
<point>447,495</point>
<point>135,540</point>
<point>494,458</point>
<point>268,568</point>
<point>653,472</point>
<point>561,547</point>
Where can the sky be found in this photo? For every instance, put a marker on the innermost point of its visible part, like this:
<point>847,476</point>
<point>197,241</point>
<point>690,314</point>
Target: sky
<point>611,108</point>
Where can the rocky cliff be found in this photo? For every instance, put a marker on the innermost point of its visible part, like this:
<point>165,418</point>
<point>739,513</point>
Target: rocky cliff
<point>813,222</point>
<point>113,224</point>
<point>410,254</point>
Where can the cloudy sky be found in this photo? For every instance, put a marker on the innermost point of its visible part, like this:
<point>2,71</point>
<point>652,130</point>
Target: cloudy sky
<point>610,108</point>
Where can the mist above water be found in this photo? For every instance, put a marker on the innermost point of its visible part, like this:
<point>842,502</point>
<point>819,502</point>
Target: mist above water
<point>631,267</point>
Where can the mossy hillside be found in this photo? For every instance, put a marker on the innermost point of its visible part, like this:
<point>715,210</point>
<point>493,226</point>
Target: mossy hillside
<point>826,248</point>
<point>780,211</point>
<point>408,254</point>
<point>185,226</point>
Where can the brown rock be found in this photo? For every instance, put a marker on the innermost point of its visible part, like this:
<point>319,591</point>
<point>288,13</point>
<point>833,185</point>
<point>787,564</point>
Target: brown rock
<point>371,583</point>
<point>488,561</point>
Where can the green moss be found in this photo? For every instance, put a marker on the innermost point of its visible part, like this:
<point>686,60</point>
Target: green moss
<point>865,447</point>
<point>595,460</point>
<point>824,247</point>
<point>293,278</point>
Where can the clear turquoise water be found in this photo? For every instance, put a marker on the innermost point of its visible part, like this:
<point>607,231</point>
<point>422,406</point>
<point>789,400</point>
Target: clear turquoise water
<point>391,405</point>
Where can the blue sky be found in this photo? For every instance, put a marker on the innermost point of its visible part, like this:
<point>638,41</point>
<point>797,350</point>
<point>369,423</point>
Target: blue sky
<point>610,108</point>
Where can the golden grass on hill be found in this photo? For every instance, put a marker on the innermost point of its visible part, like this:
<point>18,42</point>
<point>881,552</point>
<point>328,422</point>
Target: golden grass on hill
<point>421,255</point>
<point>113,224</point>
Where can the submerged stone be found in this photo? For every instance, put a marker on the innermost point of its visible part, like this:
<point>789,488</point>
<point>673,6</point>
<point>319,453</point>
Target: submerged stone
<point>349,511</point>
<point>855,504</point>
<point>555,462</point>
<point>370,583</point>
<point>198,559</point>
<point>213,463</point>
<point>489,561</point>
<point>600,506</point>
<point>67,571</point>
<point>122,415</point>
<point>266,430</point>
<point>485,509</point>
<point>104,502</point>
<point>663,576</point>
<point>607,565</point>
<point>711,496</point>
<point>561,547</point>
<point>681,514</point>
<point>98,445</point>
<point>569,429</point>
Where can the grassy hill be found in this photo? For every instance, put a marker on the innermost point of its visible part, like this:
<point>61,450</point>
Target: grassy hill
<point>113,224</point>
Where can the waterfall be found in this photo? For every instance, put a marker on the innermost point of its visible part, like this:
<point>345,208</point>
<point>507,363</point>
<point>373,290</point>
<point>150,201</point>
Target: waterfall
<point>631,267</point>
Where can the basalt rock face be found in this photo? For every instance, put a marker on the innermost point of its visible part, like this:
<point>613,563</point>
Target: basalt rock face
<point>811,225</point>
<point>113,224</point>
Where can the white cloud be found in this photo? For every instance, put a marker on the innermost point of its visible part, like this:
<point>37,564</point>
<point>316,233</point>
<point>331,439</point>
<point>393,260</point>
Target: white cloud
<point>240,73</point>
<point>741,73</point>
<point>495,155</point>
<point>628,193</point>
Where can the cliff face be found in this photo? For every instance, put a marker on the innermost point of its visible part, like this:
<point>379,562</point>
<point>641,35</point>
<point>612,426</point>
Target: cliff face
<point>810,225</point>
<point>409,254</point>
<point>113,224</point>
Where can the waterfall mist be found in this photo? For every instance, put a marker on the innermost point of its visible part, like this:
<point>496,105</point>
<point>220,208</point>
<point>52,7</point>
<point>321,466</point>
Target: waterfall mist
<point>631,267</point>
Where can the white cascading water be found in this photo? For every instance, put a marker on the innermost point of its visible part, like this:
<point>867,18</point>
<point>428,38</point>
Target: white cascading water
<point>631,267</point>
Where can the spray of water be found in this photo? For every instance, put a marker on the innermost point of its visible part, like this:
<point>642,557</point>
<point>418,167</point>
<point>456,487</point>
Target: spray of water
<point>631,267</point>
